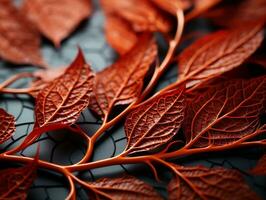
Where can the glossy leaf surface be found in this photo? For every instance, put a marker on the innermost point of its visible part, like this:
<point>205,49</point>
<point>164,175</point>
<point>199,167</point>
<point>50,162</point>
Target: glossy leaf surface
<point>260,168</point>
<point>122,82</point>
<point>119,34</point>
<point>7,126</point>
<point>209,183</point>
<point>143,17</point>
<point>226,113</point>
<point>124,188</point>
<point>56,19</point>
<point>63,99</point>
<point>19,41</point>
<point>155,122</point>
<point>218,52</point>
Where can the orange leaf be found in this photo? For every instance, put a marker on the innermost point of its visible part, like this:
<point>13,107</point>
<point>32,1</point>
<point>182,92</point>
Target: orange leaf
<point>7,126</point>
<point>19,41</point>
<point>155,122</point>
<point>171,6</point>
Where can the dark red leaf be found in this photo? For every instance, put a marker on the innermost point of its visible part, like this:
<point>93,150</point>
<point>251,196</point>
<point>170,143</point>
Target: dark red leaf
<point>208,184</point>
<point>122,82</point>
<point>155,122</point>
<point>226,113</point>
<point>218,52</point>
<point>7,126</point>
<point>143,17</point>
<point>15,182</point>
<point>119,34</point>
<point>124,188</point>
<point>19,41</point>
<point>56,19</point>
<point>63,99</point>
<point>260,169</point>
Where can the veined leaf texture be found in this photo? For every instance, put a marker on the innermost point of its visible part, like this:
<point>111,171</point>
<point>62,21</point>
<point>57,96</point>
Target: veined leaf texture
<point>7,126</point>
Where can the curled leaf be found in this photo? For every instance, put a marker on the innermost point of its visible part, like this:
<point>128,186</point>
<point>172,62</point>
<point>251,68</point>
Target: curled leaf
<point>226,113</point>
<point>143,17</point>
<point>208,184</point>
<point>124,188</point>
<point>155,122</point>
<point>119,34</point>
<point>63,99</point>
<point>19,40</point>
<point>122,82</point>
<point>15,182</point>
<point>218,52</point>
<point>260,168</point>
<point>7,126</point>
<point>56,19</point>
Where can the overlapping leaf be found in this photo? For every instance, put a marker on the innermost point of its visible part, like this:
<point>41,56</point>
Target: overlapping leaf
<point>143,17</point>
<point>122,82</point>
<point>62,100</point>
<point>218,52</point>
<point>124,188</point>
<point>19,41</point>
<point>171,6</point>
<point>226,113</point>
<point>7,126</point>
<point>119,34</point>
<point>260,168</point>
<point>155,122</point>
<point>15,182</point>
<point>56,19</point>
<point>209,183</point>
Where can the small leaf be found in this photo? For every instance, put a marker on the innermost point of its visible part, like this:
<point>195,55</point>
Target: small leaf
<point>63,99</point>
<point>19,41</point>
<point>119,34</point>
<point>7,126</point>
<point>172,6</point>
<point>143,17</point>
<point>122,82</point>
<point>56,19</point>
<point>155,122</point>
<point>208,184</point>
<point>124,188</point>
<point>260,168</point>
<point>15,182</point>
<point>226,113</point>
<point>217,53</point>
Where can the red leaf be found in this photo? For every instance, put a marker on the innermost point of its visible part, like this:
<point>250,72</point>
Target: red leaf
<point>155,122</point>
<point>119,34</point>
<point>19,41</point>
<point>63,99</point>
<point>15,182</point>
<point>172,6</point>
<point>209,183</point>
<point>226,113</point>
<point>218,52</point>
<point>143,17</point>
<point>56,19</point>
<point>124,188</point>
<point>122,82</point>
<point>7,126</point>
<point>260,169</point>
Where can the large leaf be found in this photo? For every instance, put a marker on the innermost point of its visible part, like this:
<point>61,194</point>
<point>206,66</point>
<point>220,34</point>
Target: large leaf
<point>122,82</point>
<point>15,182</point>
<point>203,183</point>
<point>218,52</point>
<point>56,19</point>
<point>226,113</point>
<point>63,99</point>
<point>124,188</point>
<point>19,41</point>
<point>142,14</point>
<point>119,34</point>
<point>155,122</point>
<point>7,126</point>
<point>260,168</point>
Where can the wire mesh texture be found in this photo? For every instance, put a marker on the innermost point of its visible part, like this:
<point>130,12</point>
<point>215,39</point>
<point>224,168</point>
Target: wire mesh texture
<point>66,148</point>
